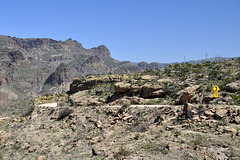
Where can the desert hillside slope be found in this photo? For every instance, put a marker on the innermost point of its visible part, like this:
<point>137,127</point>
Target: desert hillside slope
<point>154,114</point>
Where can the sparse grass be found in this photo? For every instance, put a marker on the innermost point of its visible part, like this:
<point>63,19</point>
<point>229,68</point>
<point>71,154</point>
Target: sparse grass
<point>154,101</point>
<point>197,139</point>
<point>103,90</point>
<point>148,146</point>
<point>236,99</point>
<point>122,152</point>
<point>16,146</point>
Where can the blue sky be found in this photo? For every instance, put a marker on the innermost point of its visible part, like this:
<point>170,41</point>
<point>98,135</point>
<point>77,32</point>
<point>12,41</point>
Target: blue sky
<point>135,30</point>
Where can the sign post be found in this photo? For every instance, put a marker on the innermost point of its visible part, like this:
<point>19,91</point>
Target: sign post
<point>216,89</point>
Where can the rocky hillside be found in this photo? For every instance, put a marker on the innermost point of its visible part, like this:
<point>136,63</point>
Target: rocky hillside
<point>169,114</point>
<point>128,132</point>
<point>27,65</point>
<point>175,84</point>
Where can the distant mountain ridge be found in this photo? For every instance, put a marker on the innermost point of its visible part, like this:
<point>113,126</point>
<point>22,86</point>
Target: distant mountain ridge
<point>32,64</point>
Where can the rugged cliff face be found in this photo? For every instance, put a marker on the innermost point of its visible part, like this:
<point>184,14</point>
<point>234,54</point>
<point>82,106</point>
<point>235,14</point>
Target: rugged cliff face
<point>60,79</point>
<point>29,65</point>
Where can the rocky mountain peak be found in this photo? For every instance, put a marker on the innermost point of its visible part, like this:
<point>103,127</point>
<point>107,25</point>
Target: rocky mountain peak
<point>73,43</point>
<point>143,65</point>
<point>101,51</point>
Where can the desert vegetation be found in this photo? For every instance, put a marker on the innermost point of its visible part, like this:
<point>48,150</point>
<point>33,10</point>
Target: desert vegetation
<point>169,113</point>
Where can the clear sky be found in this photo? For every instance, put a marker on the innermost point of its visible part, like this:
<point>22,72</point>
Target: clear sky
<point>135,30</point>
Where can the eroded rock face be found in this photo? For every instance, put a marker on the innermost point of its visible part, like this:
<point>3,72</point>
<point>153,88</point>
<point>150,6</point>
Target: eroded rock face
<point>80,85</point>
<point>60,77</point>
<point>134,90</point>
<point>233,87</point>
<point>122,87</point>
<point>187,94</point>
<point>16,56</point>
<point>148,90</point>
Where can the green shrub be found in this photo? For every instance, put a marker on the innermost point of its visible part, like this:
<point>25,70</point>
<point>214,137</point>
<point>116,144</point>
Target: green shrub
<point>103,90</point>
<point>197,71</point>
<point>237,77</point>
<point>228,80</point>
<point>207,64</point>
<point>165,151</point>
<point>236,99</point>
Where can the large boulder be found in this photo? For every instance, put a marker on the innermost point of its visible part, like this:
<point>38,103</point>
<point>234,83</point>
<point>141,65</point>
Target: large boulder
<point>122,87</point>
<point>208,98</point>
<point>228,99</point>
<point>208,113</point>
<point>148,90</point>
<point>233,87</point>
<point>186,94</point>
<point>220,113</point>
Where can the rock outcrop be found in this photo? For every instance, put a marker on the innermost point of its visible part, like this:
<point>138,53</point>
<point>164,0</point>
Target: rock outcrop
<point>148,90</point>
<point>122,87</point>
<point>187,94</point>
<point>233,87</point>
<point>60,77</point>
<point>85,84</point>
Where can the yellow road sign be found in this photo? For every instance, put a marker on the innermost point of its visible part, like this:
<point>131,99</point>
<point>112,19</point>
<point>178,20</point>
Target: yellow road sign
<point>38,99</point>
<point>215,95</point>
<point>216,88</point>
